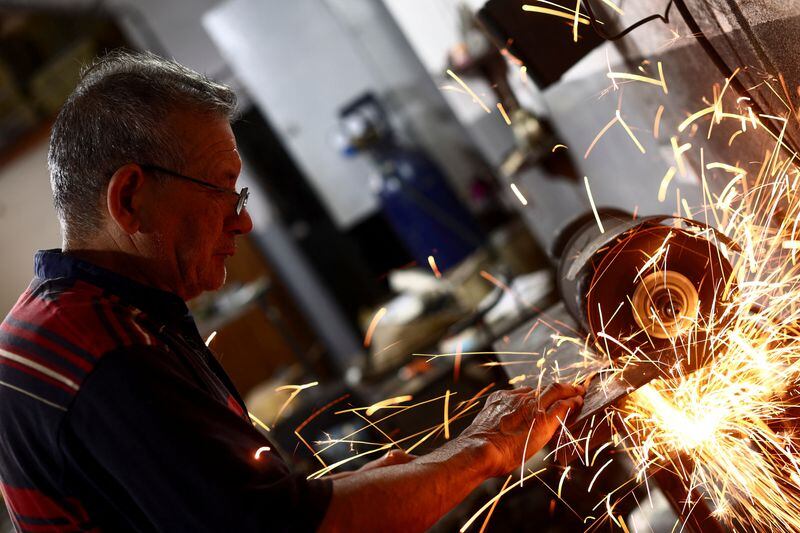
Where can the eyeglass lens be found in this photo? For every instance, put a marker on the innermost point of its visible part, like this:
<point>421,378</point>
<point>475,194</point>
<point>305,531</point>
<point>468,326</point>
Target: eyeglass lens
<point>242,202</point>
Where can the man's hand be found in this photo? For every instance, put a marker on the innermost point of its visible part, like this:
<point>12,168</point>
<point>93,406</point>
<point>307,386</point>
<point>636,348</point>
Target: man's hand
<point>517,423</point>
<point>393,457</point>
<point>411,495</point>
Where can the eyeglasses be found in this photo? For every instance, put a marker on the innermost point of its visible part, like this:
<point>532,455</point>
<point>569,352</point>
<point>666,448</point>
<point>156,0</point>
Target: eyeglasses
<point>242,195</point>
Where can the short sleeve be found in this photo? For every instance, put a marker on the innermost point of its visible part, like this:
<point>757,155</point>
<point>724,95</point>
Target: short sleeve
<point>153,447</point>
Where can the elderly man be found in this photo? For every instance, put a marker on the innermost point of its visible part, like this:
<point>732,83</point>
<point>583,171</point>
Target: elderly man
<point>114,416</point>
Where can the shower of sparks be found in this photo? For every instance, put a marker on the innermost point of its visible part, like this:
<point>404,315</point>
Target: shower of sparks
<point>373,324</point>
<point>727,430</point>
<point>518,194</point>
<point>475,97</point>
<point>434,268</point>
<point>591,202</point>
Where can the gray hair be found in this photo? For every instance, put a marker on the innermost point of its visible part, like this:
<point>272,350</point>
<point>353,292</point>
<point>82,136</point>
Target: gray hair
<point>117,115</point>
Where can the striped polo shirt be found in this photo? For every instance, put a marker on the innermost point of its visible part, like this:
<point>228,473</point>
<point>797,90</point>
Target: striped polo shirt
<point>115,416</point>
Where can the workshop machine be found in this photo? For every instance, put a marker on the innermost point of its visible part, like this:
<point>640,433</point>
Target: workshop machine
<point>648,290</point>
<point>641,296</point>
<point>414,195</point>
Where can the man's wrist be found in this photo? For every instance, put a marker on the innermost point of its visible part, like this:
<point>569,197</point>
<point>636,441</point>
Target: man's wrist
<point>478,455</point>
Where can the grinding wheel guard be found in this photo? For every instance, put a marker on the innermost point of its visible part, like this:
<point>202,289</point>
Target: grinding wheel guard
<point>654,288</point>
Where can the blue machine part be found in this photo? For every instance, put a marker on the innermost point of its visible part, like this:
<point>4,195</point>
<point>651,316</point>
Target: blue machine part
<point>423,210</point>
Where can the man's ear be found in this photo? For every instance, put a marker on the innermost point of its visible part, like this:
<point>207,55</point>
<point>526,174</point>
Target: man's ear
<point>125,197</point>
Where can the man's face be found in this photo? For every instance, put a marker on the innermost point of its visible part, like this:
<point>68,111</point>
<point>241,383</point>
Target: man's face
<point>194,227</point>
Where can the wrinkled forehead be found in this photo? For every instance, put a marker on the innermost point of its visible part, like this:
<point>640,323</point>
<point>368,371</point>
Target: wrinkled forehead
<point>206,140</point>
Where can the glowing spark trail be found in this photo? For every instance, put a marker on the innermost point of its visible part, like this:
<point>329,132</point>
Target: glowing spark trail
<point>614,6</point>
<point>657,121</point>
<point>661,82</point>
<point>211,338</point>
<point>474,96</point>
<point>629,132</point>
<point>591,201</point>
<point>503,113</point>
<point>389,402</point>
<point>434,268</point>
<point>575,21</point>
<point>662,189</point>
<point>724,425</point>
<point>547,11</point>
<point>296,389</point>
<point>518,194</point>
<point>373,325</point>
<point>447,415</point>
<point>600,134</point>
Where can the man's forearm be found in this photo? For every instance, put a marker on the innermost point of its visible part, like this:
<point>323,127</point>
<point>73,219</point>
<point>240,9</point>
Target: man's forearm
<point>408,497</point>
<point>511,427</point>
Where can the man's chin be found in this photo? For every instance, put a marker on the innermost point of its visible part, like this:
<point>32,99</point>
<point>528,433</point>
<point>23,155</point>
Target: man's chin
<point>212,279</point>
<point>218,279</point>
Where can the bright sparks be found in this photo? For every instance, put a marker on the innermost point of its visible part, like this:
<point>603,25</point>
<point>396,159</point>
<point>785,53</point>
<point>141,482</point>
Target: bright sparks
<point>660,81</point>
<point>665,181</point>
<point>518,194</point>
<point>503,113</point>
<point>211,338</point>
<point>434,267</point>
<point>594,207</point>
<point>475,97</point>
<point>389,402</point>
<point>727,428</point>
<point>569,14</point>
<point>373,324</point>
<point>295,390</point>
<point>629,132</point>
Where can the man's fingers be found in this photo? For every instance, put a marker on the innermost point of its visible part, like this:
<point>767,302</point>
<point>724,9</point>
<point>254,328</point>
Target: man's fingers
<point>559,391</point>
<point>557,412</point>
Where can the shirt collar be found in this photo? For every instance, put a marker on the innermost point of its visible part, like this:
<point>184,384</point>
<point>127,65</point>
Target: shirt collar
<point>168,306</point>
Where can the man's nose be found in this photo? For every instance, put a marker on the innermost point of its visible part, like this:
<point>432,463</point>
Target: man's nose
<point>241,223</point>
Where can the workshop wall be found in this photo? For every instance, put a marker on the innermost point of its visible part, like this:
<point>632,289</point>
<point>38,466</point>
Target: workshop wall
<point>27,220</point>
